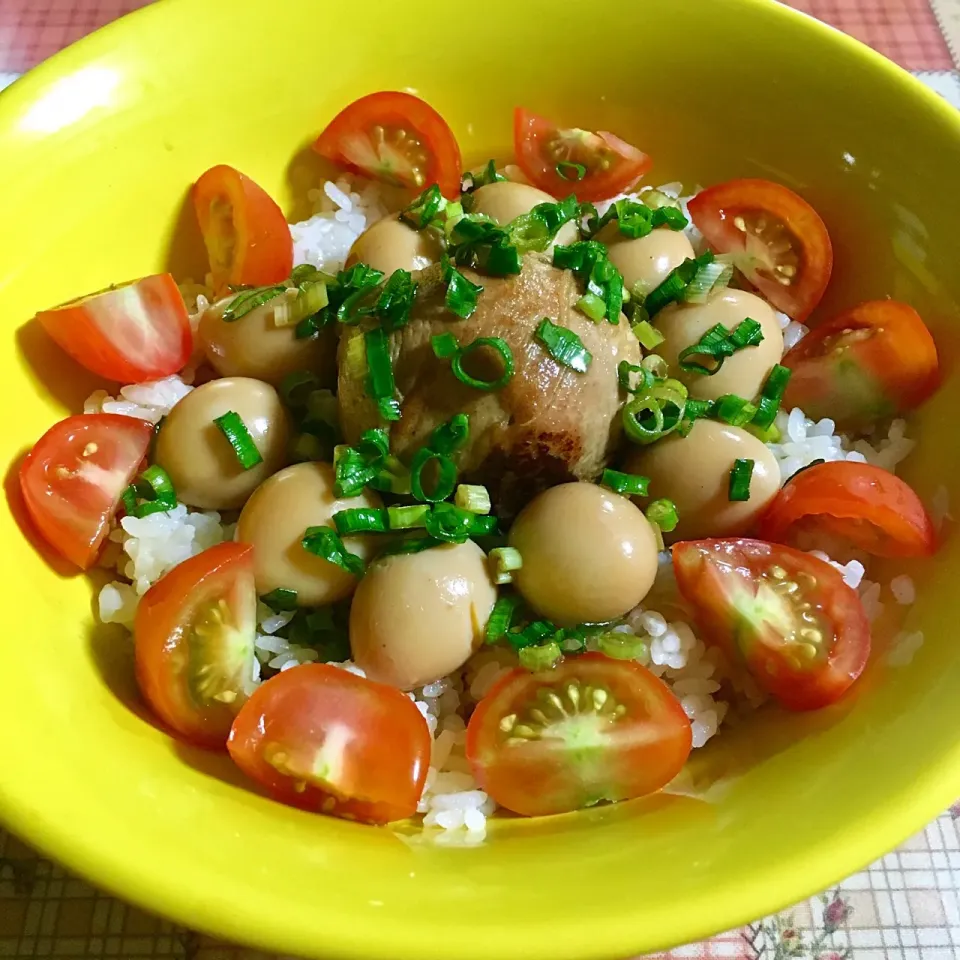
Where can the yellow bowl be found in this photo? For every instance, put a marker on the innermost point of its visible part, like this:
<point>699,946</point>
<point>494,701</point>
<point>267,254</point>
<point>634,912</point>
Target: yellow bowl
<point>97,150</point>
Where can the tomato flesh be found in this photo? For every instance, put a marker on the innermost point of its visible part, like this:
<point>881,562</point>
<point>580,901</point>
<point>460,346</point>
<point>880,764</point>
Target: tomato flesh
<point>397,138</point>
<point>591,729</point>
<point>323,739</point>
<point>801,631</point>
<point>193,635</point>
<point>133,332</point>
<point>871,508</point>
<point>246,234</point>
<point>74,476</point>
<point>550,156</point>
<point>874,361</point>
<point>778,240</point>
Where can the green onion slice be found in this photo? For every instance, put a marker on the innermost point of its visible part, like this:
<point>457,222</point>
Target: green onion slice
<point>649,336</point>
<point>451,435</point>
<point>625,372</point>
<point>539,657</point>
<point>449,523</point>
<point>461,296</point>
<point>425,210</point>
<point>588,261</point>
<point>593,306</point>
<point>497,344</point>
<point>411,545</point>
<point>503,561</point>
<point>733,410</point>
<point>709,278</point>
<point>621,646</point>
<point>326,543</point>
<point>664,514</point>
<point>446,478</point>
<point>444,345</point>
<point>532,633</point>
<point>248,301</point>
<point>717,344</point>
<point>380,382</point>
<point>238,436</point>
<point>643,420</point>
<point>564,345</point>
<point>395,301</point>
<point>675,284</point>
<point>501,617</point>
<point>155,484</point>
<point>770,396</point>
<point>489,174</point>
<point>281,599</point>
<point>571,171</point>
<point>631,484</point>
<point>475,499</point>
<point>740,476</point>
<point>361,520</point>
<point>407,518</point>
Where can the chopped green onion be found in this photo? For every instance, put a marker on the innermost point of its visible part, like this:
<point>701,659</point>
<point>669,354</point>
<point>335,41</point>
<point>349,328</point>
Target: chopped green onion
<point>308,327</point>
<point>248,301</point>
<point>669,216</point>
<point>451,435</point>
<point>571,171</point>
<point>588,261</point>
<point>655,365</point>
<point>540,657</point>
<point>352,288</point>
<point>296,387</point>
<point>625,371</point>
<point>304,300</point>
<point>474,498</point>
<point>356,467</point>
<point>631,484</point>
<point>564,345</point>
<point>675,283</point>
<point>621,646</point>
<point>771,395</point>
<point>769,434</point>
<point>425,209</point>
<point>380,383</point>
<point>718,343</point>
<point>129,498</point>
<point>649,336</point>
<point>449,523</point>
<point>326,543</point>
<point>476,241</point>
<point>532,633</point>
<point>153,506</point>
<point>506,356</point>
<point>709,278</point>
<point>234,429</point>
<point>591,305</point>
<point>501,617</point>
<point>361,520</point>
<point>503,561</point>
<point>664,514</point>
<point>445,481</point>
<point>395,301</point>
<point>444,345</point>
<point>733,410</point>
<point>281,599</point>
<point>406,518</point>
<point>643,420</point>
<point>740,477</point>
<point>154,484</point>
<point>461,296</point>
<point>535,230</point>
<point>655,199</point>
<point>489,174</point>
<point>410,545</point>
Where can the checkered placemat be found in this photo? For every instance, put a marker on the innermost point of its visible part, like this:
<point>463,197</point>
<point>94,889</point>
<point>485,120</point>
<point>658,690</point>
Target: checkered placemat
<point>904,907</point>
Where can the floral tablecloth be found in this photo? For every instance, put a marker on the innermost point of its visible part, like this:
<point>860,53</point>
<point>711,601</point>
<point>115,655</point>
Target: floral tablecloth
<point>904,907</point>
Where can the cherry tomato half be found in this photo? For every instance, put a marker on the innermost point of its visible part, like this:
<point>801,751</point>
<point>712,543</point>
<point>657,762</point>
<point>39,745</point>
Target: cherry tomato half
<point>246,235</point>
<point>873,361</point>
<point>323,739</point>
<point>74,476</point>
<point>800,629</point>
<point>590,729</point>
<point>779,242</point>
<point>396,138</point>
<point>594,166</point>
<point>871,508</point>
<point>133,332</point>
<point>193,636</point>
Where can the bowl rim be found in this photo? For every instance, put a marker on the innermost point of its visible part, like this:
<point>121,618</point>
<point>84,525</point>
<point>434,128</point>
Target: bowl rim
<point>894,817</point>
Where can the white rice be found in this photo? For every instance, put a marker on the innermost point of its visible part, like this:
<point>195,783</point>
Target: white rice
<point>146,401</point>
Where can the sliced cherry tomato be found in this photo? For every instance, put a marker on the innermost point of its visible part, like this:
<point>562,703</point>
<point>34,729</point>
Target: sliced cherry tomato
<point>778,240</point>
<point>869,507</point>
<point>396,138</point>
<point>246,235</point>
<point>590,729</point>
<point>873,361</point>
<point>193,635</point>
<point>323,739</point>
<point>800,629</point>
<point>129,333</point>
<point>74,476</point>
<point>594,166</point>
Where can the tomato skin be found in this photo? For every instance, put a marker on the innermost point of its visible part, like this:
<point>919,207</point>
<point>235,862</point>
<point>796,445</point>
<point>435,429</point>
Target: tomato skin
<point>136,331</point>
<point>609,760</point>
<point>715,210</point>
<point>623,164</point>
<point>378,742</point>
<point>345,141</point>
<point>874,361</point>
<point>721,580</point>
<point>246,234</point>
<point>166,645</point>
<point>72,491</point>
<point>871,507</point>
